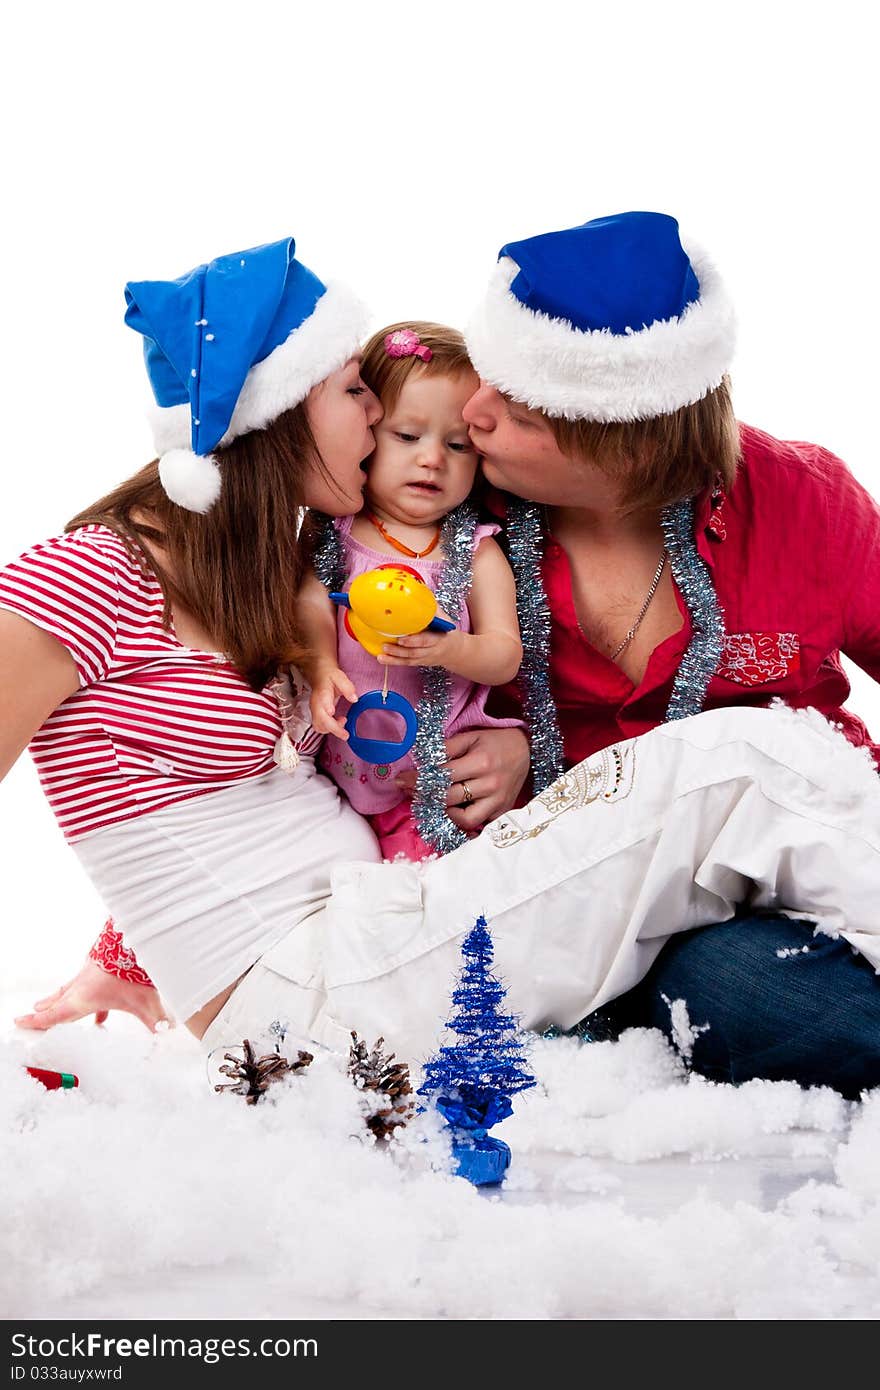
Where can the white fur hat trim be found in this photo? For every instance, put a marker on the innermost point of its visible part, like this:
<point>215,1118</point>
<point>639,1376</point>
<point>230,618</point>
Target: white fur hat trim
<point>323,342</point>
<point>549,365</point>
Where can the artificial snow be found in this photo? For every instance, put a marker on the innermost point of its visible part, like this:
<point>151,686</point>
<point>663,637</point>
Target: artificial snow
<point>636,1190</point>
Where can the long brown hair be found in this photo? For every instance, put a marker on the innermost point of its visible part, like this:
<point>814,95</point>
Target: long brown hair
<point>236,568</point>
<point>662,460</point>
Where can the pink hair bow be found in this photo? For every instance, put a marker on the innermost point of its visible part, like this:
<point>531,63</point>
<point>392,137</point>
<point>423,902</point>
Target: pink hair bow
<point>406,343</point>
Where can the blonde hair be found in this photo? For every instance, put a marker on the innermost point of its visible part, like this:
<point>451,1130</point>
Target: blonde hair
<point>386,375</point>
<point>662,460</point>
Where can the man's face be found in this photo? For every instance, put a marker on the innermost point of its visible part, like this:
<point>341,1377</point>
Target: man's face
<point>519,452</point>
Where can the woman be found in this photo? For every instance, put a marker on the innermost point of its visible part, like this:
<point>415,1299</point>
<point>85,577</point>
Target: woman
<point>220,873</point>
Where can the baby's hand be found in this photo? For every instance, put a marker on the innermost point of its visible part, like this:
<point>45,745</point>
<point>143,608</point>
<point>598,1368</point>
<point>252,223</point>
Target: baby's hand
<point>424,649</point>
<point>328,687</point>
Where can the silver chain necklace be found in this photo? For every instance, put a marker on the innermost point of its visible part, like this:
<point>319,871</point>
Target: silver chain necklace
<point>658,574</point>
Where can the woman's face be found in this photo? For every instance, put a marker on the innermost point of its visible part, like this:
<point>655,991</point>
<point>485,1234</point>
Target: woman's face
<point>519,453</point>
<point>341,411</point>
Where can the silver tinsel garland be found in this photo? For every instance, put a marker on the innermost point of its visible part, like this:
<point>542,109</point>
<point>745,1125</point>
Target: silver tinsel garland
<point>328,560</point>
<point>525,531</point>
<point>691,574</point>
<point>429,749</point>
<point>525,536</point>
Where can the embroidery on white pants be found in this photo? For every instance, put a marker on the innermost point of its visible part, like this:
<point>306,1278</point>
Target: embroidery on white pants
<point>607,776</point>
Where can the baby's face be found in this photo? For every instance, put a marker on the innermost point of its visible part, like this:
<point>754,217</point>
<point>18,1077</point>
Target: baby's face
<point>424,463</point>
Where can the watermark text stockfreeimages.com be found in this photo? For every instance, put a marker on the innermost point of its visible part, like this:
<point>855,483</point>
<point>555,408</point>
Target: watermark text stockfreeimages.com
<point>95,1346</point>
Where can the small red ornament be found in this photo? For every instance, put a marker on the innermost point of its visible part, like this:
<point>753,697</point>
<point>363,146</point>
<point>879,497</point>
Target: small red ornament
<point>53,1080</point>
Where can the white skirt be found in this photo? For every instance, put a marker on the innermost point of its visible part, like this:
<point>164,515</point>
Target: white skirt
<point>203,888</point>
<point>583,886</point>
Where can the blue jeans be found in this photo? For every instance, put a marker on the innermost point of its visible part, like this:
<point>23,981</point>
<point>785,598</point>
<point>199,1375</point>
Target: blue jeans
<point>811,1016</point>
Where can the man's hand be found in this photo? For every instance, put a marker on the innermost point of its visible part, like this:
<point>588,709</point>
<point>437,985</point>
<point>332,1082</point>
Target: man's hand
<point>488,768</point>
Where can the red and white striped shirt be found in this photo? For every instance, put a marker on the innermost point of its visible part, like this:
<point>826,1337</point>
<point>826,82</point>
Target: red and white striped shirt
<point>154,722</point>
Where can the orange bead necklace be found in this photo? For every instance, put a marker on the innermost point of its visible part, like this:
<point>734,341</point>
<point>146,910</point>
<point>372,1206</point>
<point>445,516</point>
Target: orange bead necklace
<point>399,545</point>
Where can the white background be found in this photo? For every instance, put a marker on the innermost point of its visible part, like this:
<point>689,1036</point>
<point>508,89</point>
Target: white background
<point>402,144</point>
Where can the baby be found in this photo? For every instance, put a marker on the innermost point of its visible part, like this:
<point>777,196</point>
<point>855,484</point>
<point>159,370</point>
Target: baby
<point>424,466</point>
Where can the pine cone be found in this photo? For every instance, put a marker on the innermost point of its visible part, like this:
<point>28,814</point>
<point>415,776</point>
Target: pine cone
<point>252,1076</point>
<point>376,1071</point>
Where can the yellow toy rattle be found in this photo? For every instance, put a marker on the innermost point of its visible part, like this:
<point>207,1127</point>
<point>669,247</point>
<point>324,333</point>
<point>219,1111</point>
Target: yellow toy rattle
<point>383,604</point>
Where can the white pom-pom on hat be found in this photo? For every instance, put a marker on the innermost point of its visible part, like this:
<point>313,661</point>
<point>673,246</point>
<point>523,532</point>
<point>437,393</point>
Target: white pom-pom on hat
<point>191,480</point>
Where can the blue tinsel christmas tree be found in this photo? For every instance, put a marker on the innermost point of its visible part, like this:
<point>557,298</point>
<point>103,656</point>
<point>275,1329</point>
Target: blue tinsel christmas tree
<point>471,1082</point>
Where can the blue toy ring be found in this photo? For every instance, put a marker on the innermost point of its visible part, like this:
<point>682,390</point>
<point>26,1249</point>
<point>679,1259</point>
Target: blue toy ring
<point>380,750</point>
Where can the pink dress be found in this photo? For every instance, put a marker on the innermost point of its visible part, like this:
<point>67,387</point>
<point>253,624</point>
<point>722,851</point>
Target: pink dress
<point>370,786</point>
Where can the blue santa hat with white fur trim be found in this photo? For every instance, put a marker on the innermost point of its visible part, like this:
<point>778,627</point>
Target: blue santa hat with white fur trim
<point>613,320</point>
<point>229,347</point>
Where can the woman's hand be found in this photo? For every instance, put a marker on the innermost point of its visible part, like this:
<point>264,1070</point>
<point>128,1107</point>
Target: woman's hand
<point>490,764</point>
<point>93,991</point>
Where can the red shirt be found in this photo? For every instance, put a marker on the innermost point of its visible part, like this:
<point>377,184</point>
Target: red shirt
<point>794,554</point>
